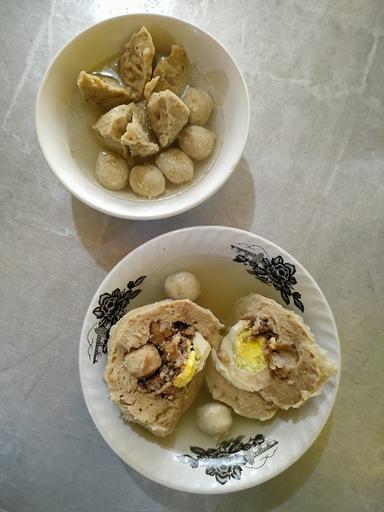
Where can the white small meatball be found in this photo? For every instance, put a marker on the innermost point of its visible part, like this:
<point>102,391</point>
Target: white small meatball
<point>182,285</point>
<point>176,166</point>
<point>147,180</point>
<point>111,171</point>
<point>143,361</point>
<point>200,105</point>
<point>197,142</point>
<point>214,418</point>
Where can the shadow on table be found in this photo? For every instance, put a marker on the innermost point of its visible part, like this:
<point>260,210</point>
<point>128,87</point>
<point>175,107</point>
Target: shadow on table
<point>264,498</point>
<point>108,239</point>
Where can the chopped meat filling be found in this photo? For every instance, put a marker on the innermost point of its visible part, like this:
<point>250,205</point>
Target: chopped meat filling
<point>262,327</point>
<point>282,357</point>
<point>173,341</point>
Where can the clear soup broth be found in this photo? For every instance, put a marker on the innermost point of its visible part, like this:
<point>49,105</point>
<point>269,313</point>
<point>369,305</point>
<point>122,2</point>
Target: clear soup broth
<point>85,146</point>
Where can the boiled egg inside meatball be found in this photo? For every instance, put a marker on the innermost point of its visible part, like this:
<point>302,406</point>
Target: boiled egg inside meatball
<point>242,358</point>
<point>195,361</point>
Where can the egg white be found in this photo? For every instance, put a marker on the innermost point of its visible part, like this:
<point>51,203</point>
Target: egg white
<point>240,377</point>
<point>195,361</point>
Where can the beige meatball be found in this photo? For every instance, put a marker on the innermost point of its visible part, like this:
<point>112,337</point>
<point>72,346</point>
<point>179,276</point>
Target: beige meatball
<point>176,166</point>
<point>200,105</point>
<point>214,418</point>
<point>143,361</point>
<point>197,142</point>
<point>182,285</point>
<point>111,171</point>
<point>147,180</point>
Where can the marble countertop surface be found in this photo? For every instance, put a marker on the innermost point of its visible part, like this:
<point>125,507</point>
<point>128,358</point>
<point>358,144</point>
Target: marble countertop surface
<point>311,179</point>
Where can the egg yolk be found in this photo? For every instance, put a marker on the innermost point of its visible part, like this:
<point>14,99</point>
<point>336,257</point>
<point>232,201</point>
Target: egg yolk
<point>249,351</point>
<point>189,370</point>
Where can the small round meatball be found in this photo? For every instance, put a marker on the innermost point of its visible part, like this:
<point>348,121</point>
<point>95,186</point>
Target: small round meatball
<point>143,361</point>
<point>147,181</point>
<point>111,171</point>
<point>214,418</point>
<point>197,142</point>
<point>176,166</point>
<point>200,105</point>
<point>182,285</point>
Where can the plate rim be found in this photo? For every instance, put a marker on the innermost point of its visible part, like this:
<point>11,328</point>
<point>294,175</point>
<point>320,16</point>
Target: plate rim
<point>246,483</point>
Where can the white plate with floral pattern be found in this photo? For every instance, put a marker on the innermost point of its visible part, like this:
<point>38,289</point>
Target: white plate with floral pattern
<point>232,262</point>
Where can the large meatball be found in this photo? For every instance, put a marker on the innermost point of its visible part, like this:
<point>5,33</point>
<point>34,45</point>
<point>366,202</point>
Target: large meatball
<point>197,142</point>
<point>176,166</point>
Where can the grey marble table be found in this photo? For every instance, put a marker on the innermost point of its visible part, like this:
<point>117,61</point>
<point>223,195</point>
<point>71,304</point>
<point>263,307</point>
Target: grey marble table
<point>311,180</point>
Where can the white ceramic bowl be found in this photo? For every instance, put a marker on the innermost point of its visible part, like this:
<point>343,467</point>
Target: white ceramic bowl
<point>101,42</point>
<point>267,448</point>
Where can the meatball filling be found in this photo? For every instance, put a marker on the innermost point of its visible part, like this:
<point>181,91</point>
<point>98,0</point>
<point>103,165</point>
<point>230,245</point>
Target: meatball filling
<point>174,343</point>
<point>282,357</point>
<point>260,339</point>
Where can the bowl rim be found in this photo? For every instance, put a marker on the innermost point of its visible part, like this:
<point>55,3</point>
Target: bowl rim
<point>246,484</point>
<point>118,211</point>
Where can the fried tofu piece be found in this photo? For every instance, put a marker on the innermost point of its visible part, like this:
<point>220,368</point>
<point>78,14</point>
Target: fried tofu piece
<point>173,71</point>
<point>114,122</point>
<point>126,126</point>
<point>167,115</point>
<point>138,141</point>
<point>111,126</point>
<point>150,87</point>
<point>129,127</point>
<point>104,92</point>
<point>135,64</point>
<point>137,135</point>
